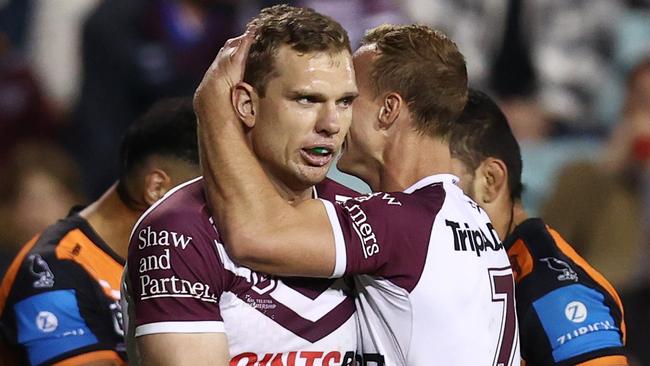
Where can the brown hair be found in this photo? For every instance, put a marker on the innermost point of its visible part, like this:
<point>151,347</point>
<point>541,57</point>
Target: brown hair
<point>303,29</point>
<point>425,68</point>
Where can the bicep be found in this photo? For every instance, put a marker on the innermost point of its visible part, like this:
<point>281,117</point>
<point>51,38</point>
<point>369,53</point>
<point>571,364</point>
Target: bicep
<point>180,349</point>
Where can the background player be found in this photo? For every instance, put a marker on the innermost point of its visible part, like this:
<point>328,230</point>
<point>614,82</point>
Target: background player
<point>414,305</point>
<point>59,300</point>
<point>568,313</point>
<point>189,303</point>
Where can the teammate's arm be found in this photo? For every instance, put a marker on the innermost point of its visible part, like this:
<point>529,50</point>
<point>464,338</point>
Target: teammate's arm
<point>181,349</point>
<point>259,228</point>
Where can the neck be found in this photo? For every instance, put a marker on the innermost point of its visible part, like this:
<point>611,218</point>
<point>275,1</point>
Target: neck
<point>506,216</point>
<point>519,215</point>
<point>112,220</point>
<point>289,193</point>
<point>409,158</point>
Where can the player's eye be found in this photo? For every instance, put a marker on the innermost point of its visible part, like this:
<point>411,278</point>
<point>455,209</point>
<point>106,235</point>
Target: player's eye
<point>346,102</point>
<point>305,100</point>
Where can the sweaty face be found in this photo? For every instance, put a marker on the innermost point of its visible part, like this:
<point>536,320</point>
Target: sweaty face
<point>362,150</point>
<point>301,121</point>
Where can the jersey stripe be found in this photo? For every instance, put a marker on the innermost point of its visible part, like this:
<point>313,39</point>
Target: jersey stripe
<point>76,246</point>
<point>10,276</point>
<point>340,255</point>
<point>181,327</point>
<point>92,357</point>
<point>523,261</point>
<point>571,253</point>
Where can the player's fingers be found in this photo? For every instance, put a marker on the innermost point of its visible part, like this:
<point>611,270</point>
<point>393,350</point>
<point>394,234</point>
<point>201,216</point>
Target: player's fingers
<point>241,48</point>
<point>245,43</point>
<point>233,42</point>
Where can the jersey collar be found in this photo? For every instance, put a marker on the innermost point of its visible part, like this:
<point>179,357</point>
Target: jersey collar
<point>427,181</point>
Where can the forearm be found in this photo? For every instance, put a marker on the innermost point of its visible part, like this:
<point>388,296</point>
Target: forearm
<point>259,228</point>
<point>235,184</point>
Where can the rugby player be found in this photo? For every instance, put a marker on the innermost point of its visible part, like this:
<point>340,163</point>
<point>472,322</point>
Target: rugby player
<point>568,312</point>
<point>59,300</point>
<point>189,303</point>
<point>434,282</point>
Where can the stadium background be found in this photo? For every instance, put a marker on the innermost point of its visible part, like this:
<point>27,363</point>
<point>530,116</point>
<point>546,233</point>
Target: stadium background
<point>572,76</point>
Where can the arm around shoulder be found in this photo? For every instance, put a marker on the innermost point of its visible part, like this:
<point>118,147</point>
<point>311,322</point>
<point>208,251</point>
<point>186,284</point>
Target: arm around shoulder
<point>296,241</point>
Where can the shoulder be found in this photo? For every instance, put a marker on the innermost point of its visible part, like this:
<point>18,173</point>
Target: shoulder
<point>53,303</point>
<point>180,206</point>
<point>37,259</point>
<point>177,231</point>
<point>182,214</point>
<point>332,190</point>
<point>176,235</point>
<point>575,307</point>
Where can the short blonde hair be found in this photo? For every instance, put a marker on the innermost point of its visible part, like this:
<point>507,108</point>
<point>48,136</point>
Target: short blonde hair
<point>425,68</point>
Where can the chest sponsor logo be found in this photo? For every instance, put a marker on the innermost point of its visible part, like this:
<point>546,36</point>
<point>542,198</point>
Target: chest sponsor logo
<point>39,268</point>
<point>467,238</point>
<point>308,358</point>
<point>566,273</point>
<point>148,238</point>
<point>173,286</point>
<point>167,286</point>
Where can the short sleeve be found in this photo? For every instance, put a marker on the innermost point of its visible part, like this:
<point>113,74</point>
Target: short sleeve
<point>174,273</point>
<point>576,322</point>
<point>381,233</point>
<point>61,313</point>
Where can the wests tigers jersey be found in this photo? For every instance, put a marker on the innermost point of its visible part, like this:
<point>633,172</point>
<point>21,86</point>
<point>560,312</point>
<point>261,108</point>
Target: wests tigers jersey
<point>181,280</point>
<point>59,300</point>
<point>434,282</point>
<point>568,312</point>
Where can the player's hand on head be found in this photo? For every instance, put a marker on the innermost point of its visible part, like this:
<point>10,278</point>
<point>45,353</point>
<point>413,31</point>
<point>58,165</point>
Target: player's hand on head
<point>212,99</point>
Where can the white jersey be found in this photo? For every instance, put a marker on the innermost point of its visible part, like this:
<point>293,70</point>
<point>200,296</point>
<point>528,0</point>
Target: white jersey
<point>180,280</point>
<point>434,281</point>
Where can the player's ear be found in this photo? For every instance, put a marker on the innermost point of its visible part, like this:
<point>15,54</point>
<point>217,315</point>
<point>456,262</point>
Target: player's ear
<point>390,110</point>
<point>156,184</point>
<point>494,179</point>
<point>244,101</point>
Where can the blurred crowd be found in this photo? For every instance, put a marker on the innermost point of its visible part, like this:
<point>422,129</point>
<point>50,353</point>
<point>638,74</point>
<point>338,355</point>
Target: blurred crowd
<point>572,76</point>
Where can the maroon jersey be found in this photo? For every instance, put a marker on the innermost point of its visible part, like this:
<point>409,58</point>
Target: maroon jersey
<point>181,280</point>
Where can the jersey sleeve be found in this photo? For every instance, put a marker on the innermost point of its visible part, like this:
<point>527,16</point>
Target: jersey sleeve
<point>380,234</point>
<point>61,314</point>
<point>174,274</point>
<point>577,324</point>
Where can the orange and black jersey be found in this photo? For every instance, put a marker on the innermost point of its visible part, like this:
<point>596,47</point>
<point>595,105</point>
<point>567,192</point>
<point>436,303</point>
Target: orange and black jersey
<point>59,299</point>
<point>568,313</point>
